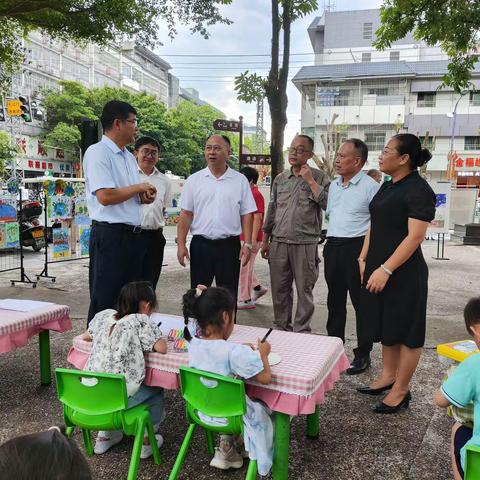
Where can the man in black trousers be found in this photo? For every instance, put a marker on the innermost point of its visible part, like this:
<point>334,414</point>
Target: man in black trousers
<point>349,217</point>
<point>114,195</point>
<point>217,205</point>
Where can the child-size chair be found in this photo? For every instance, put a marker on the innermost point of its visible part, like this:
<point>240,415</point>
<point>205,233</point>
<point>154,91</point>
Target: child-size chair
<point>98,401</point>
<point>215,396</point>
<point>472,462</point>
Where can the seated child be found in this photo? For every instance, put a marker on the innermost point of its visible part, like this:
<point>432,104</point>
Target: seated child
<point>214,310</point>
<point>120,339</point>
<point>461,388</point>
<point>47,454</point>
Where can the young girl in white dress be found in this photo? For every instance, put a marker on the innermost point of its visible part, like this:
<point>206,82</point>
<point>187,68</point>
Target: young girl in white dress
<point>120,339</point>
<point>214,310</point>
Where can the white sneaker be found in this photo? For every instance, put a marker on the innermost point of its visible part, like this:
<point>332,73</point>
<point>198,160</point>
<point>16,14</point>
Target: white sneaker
<point>106,440</point>
<point>147,449</point>
<point>246,305</point>
<point>225,460</point>
<point>256,294</point>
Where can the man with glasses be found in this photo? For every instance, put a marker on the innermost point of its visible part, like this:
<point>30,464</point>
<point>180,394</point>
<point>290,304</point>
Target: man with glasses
<point>217,205</point>
<point>114,194</point>
<point>147,152</point>
<point>291,234</point>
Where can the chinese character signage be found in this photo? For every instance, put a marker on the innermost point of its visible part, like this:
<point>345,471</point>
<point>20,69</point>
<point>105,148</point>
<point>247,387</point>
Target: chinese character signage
<point>226,125</point>
<point>254,159</point>
<point>470,163</point>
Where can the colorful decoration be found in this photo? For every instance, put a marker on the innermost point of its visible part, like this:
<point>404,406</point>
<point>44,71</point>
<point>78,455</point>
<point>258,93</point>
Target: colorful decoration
<point>12,235</point>
<point>12,185</point>
<point>175,334</point>
<point>81,212</point>
<point>61,242</point>
<point>8,209</point>
<point>84,236</point>
<point>60,186</point>
<point>59,207</point>
<point>79,188</point>
<point>69,191</point>
<point>180,345</point>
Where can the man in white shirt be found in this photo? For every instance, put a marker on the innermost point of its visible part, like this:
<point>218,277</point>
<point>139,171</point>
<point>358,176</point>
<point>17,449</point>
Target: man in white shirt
<point>146,152</point>
<point>217,205</point>
<point>114,196</point>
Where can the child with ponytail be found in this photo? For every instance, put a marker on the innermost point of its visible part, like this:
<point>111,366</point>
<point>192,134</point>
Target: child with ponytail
<point>214,310</point>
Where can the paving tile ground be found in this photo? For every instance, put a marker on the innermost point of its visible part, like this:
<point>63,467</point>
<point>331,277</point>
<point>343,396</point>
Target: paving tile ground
<point>353,444</point>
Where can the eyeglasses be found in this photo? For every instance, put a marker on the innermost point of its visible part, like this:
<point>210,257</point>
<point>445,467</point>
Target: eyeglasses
<point>299,150</point>
<point>150,153</point>
<point>135,122</point>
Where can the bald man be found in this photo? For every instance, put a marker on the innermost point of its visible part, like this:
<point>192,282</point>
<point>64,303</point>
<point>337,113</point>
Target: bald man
<point>217,205</point>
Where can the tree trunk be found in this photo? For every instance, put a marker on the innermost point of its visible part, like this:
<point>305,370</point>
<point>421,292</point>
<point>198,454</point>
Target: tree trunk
<point>277,84</point>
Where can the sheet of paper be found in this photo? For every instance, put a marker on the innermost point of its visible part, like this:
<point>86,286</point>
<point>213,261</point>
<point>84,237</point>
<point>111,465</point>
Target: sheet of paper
<point>22,305</point>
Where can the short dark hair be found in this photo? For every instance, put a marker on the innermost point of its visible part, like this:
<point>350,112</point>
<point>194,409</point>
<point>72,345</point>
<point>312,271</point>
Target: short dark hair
<point>131,295</point>
<point>207,309</point>
<point>47,454</point>
<point>471,313</point>
<point>309,139</point>
<point>113,110</point>
<point>360,147</point>
<point>146,141</point>
<point>409,144</point>
<point>251,174</point>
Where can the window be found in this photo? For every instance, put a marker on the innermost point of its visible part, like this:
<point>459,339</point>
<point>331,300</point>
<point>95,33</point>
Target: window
<point>394,56</point>
<point>472,143</point>
<point>426,99</point>
<point>137,75</point>
<point>380,91</point>
<point>475,99</point>
<point>375,140</point>
<point>428,142</point>
<point>366,57</point>
<point>367,31</point>
<point>126,71</point>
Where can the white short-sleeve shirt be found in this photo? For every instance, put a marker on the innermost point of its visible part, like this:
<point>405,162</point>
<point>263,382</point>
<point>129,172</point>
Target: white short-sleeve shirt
<point>217,203</point>
<point>153,218</point>
<point>108,166</point>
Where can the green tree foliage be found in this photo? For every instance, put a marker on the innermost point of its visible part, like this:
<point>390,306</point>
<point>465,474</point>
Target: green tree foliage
<point>249,86</point>
<point>182,131</point>
<point>99,21</point>
<point>454,24</point>
<point>8,150</point>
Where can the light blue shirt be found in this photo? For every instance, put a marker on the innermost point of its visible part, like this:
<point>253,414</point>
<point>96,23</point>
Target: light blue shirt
<point>463,387</point>
<point>347,207</point>
<point>108,166</point>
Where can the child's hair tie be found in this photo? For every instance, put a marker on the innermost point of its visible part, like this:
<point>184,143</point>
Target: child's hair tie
<point>199,290</point>
<point>54,427</point>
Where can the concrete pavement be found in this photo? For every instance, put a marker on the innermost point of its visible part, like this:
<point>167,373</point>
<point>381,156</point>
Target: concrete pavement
<point>354,443</point>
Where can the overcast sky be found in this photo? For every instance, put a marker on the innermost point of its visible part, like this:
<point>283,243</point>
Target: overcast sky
<point>249,34</point>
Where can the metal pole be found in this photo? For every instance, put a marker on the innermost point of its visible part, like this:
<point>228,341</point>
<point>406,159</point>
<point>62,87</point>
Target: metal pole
<point>240,147</point>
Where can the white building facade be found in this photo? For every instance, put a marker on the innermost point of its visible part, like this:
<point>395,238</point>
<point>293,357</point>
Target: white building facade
<point>377,94</point>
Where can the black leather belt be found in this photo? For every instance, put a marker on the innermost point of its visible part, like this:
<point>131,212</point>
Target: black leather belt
<point>119,226</point>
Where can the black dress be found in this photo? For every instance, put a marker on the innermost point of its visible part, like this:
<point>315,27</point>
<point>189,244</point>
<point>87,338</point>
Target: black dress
<point>397,315</point>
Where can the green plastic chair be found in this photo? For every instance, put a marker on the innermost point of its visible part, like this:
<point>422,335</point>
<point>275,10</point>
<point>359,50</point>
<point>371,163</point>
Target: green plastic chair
<point>103,405</point>
<point>216,396</point>
<point>472,463</point>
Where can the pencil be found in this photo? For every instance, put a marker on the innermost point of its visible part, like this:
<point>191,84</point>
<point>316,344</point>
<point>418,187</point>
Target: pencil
<point>266,335</point>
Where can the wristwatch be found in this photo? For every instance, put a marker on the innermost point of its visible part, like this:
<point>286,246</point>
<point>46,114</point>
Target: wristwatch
<point>248,245</point>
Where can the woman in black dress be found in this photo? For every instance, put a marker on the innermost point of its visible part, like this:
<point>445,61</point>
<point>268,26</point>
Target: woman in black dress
<point>394,272</point>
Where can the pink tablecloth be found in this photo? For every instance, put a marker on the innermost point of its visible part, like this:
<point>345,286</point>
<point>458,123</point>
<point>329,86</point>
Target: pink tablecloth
<point>310,366</point>
<point>17,327</point>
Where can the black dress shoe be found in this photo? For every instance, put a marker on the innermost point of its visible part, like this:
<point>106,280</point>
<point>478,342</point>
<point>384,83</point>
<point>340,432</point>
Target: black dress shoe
<point>375,391</point>
<point>383,408</point>
<point>359,365</point>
